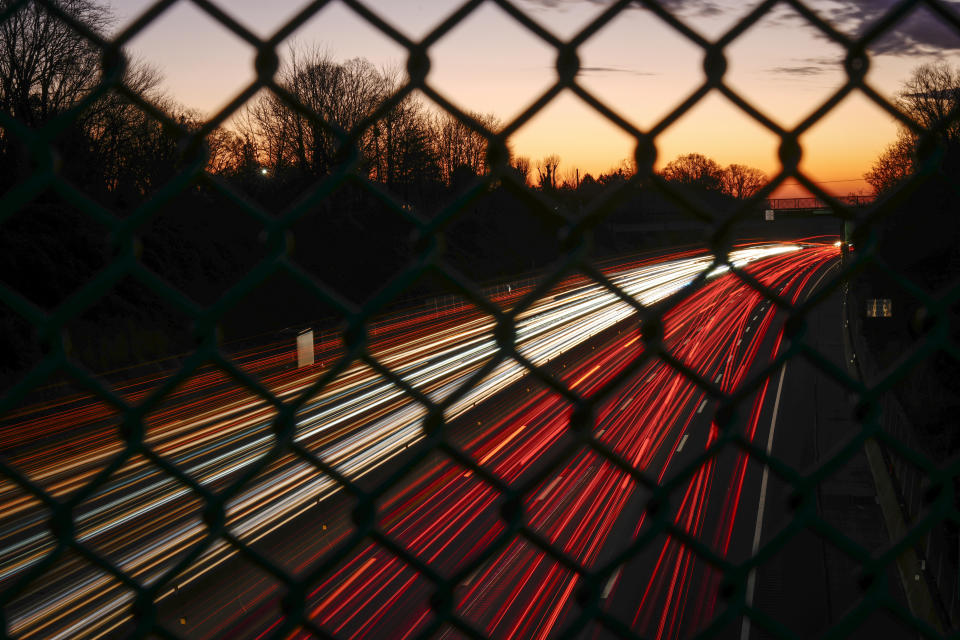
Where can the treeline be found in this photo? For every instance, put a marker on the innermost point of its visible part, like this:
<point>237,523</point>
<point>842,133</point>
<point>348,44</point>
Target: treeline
<point>918,235</point>
<point>114,159</point>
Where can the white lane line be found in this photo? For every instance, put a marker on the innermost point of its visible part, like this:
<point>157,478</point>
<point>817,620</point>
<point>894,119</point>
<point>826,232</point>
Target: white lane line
<point>610,583</point>
<point>748,329</point>
<point>549,488</point>
<point>752,578</point>
<point>719,375</point>
<point>600,433</point>
<point>702,405</point>
<point>683,441</point>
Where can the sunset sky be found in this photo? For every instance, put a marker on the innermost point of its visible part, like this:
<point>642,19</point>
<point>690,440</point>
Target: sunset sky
<point>638,65</point>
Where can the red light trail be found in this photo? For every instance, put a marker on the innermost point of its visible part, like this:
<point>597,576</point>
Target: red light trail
<point>443,514</point>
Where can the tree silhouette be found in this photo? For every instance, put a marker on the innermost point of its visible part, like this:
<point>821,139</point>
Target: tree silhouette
<point>894,164</point>
<point>47,67</point>
<point>695,170</point>
<point>930,97</point>
<point>547,172</point>
<point>521,165</point>
<point>741,181</point>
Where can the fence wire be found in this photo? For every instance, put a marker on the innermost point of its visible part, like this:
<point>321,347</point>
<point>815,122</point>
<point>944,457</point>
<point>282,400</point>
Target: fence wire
<point>930,505</point>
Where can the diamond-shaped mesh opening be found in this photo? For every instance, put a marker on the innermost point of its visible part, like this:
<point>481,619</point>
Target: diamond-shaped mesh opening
<point>602,149</point>
<point>51,272</point>
<point>739,156</point>
<point>60,442</point>
<point>777,49</point>
<point>803,559</point>
<point>442,513</point>
<point>328,238</point>
<point>277,308</point>
<point>178,427</point>
<point>484,241</point>
<point>194,74</point>
<point>350,598</point>
<point>195,603</point>
<point>846,136</point>
<point>290,491</point>
<point>618,67</point>
<point>26,539</point>
<point>342,31</point>
<point>197,246</point>
<point>454,56</point>
<point>141,519</point>
<point>129,335</point>
<point>101,604</point>
<point>396,378</point>
<point>519,568</point>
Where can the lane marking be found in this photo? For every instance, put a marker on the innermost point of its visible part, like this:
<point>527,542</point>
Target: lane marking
<point>752,577</point>
<point>719,375</point>
<point>346,585</point>
<point>702,405</point>
<point>584,376</point>
<point>683,441</point>
<point>643,447</point>
<point>497,449</point>
<point>548,488</point>
<point>610,583</point>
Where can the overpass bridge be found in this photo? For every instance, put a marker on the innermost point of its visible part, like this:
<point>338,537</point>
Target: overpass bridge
<point>814,205</point>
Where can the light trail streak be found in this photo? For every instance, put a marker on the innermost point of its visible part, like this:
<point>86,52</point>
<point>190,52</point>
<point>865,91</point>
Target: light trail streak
<point>358,424</point>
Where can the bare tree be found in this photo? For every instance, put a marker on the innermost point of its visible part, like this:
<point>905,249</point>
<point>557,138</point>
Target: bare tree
<point>46,66</point>
<point>570,178</point>
<point>741,181</point>
<point>930,97</point>
<point>894,164</point>
<point>521,166</point>
<point>336,95</point>
<point>459,147</point>
<point>547,172</point>
<point>695,170</point>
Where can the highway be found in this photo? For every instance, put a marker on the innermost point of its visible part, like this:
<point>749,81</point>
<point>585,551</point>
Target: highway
<point>143,520</point>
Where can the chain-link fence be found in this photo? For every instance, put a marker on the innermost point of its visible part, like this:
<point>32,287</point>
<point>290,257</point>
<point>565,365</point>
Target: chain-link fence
<point>339,553</point>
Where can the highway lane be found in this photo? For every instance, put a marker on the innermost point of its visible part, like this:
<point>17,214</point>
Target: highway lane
<point>723,503</point>
<point>445,515</point>
<point>143,520</point>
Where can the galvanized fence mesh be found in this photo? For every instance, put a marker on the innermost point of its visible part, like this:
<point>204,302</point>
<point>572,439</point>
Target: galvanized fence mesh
<point>938,505</point>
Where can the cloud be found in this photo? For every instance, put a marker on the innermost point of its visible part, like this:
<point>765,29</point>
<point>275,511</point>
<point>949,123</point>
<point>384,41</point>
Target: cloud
<point>802,70</point>
<point>920,33</point>
<point>681,7</point>
<point>624,70</point>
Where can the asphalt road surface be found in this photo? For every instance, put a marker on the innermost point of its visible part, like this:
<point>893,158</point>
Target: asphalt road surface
<point>725,505</point>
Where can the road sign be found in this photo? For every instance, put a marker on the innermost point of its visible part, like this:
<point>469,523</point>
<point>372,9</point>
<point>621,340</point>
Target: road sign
<point>879,308</point>
<point>305,348</point>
